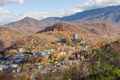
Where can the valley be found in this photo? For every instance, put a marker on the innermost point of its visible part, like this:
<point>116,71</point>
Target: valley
<point>83,46</point>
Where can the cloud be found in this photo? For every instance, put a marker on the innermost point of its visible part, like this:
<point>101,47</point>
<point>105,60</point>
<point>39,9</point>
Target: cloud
<point>4,2</point>
<point>106,2</point>
<point>91,4</point>
<point>6,16</point>
<point>42,14</point>
<point>79,7</point>
<point>36,14</point>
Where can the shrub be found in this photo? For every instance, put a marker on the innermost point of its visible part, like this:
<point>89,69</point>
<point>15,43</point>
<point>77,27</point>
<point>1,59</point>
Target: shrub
<point>103,66</point>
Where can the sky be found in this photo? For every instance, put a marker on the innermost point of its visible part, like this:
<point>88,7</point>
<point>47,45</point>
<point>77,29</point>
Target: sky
<point>13,10</point>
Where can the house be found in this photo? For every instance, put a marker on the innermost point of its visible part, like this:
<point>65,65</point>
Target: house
<point>42,53</point>
<point>5,59</point>
<point>9,68</point>
<point>15,68</point>
<point>5,68</point>
<point>37,54</point>
<point>39,65</point>
<point>2,67</point>
<point>21,50</point>
<point>19,59</point>
<point>62,40</point>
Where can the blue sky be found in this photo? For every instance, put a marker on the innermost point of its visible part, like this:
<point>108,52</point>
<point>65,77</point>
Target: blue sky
<point>41,5</point>
<point>12,10</point>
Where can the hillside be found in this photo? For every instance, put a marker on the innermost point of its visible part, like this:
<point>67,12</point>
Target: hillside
<point>96,28</point>
<point>107,14</point>
<point>88,31</point>
<point>8,37</point>
<point>93,32</point>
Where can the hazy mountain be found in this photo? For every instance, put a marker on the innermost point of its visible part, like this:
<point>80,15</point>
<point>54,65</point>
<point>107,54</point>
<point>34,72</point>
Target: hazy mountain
<point>30,25</point>
<point>26,25</point>
<point>111,13</point>
<point>50,21</point>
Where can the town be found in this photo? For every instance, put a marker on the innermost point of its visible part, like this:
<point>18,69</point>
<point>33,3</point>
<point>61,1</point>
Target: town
<point>15,63</point>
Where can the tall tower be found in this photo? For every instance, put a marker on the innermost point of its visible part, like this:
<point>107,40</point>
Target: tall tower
<point>75,36</point>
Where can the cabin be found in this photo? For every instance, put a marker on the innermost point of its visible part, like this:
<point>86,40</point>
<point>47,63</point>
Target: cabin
<point>19,59</point>
<point>62,40</point>
<point>40,54</point>
<point>21,50</point>
<point>9,68</point>
<point>45,53</point>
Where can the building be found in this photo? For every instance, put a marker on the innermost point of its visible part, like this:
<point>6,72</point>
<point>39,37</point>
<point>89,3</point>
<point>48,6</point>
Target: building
<point>75,36</point>
<point>21,50</point>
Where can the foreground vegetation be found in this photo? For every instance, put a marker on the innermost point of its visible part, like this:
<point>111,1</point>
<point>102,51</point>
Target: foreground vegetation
<point>87,64</point>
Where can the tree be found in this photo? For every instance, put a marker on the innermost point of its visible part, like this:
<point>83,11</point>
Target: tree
<point>103,64</point>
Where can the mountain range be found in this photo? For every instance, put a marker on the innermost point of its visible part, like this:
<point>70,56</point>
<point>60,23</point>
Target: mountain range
<point>90,24</point>
<point>107,14</point>
<point>110,13</point>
